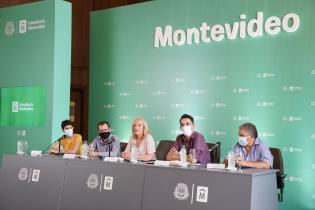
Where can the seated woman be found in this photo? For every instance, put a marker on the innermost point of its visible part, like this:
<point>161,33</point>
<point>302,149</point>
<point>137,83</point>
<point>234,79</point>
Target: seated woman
<point>70,143</point>
<point>143,141</point>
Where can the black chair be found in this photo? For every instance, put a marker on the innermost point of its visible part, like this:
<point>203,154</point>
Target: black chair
<point>278,164</point>
<point>163,148</point>
<point>215,153</point>
<point>123,146</point>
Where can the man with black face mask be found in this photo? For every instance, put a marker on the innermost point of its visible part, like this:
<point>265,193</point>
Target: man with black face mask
<point>105,144</point>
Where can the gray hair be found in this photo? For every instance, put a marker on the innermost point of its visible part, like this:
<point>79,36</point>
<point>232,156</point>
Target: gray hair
<point>250,128</point>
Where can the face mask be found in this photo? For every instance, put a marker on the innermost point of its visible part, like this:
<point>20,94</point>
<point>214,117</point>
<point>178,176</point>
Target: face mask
<point>68,132</point>
<point>242,141</point>
<point>187,130</point>
<point>104,135</point>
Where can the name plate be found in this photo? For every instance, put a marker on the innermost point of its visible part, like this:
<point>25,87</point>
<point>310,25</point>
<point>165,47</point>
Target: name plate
<point>69,156</point>
<point>216,166</point>
<point>161,163</point>
<point>35,153</point>
<point>113,159</point>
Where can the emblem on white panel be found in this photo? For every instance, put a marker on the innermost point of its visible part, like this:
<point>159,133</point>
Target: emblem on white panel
<point>35,175</point>
<point>22,28</point>
<point>202,194</point>
<point>108,182</point>
<point>9,28</point>
<point>92,181</point>
<point>181,191</point>
<point>23,174</point>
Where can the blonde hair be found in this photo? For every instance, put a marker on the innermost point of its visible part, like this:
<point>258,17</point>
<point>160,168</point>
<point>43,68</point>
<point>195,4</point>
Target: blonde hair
<point>144,123</point>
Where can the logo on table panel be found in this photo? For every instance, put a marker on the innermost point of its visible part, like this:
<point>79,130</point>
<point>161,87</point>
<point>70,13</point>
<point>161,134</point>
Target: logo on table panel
<point>177,105</point>
<point>291,118</point>
<point>108,183</point>
<point>241,90</point>
<point>218,133</point>
<point>124,94</point>
<point>23,174</point>
<point>177,80</point>
<point>264,75</point>
<point>9,28</point>
<point>218,104</point>
<point>202,194</point>
<point>197,92</point>
<point>181,191</point>
<point>263,104</point>
<point>292,149</point>
<point>92,181</point>
<point>218,77</point>
<point>109,83</point>
<point>240,118</point>
<point>35,175</point>
<point>141,106</point>
<point>142,82</point>
<point>109,106</point>
<point>159,93</point>
<point>22,26</point>
<point>291,88</point>
<point>158,117</point>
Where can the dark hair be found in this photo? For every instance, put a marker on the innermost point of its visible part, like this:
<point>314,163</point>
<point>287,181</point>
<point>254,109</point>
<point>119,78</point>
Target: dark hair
<point>187,116</point>
<point>65,123</point>
<point>102,123</point>
<point>250,128</point>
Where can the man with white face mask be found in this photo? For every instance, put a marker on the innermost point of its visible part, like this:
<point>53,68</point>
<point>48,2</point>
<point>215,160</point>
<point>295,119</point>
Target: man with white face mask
<point>191,139</point>
<point>250,150</point>
<point>71,143</point>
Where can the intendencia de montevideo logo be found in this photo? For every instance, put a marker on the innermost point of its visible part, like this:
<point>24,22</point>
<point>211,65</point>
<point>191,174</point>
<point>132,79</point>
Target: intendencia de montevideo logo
<point>9,28</point>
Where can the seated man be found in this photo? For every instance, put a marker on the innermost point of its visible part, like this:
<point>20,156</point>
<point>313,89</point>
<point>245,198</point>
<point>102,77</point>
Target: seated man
<point>251,151</point>
<point>191,139</point>
<point>70,143</point>
<point>105,144</point>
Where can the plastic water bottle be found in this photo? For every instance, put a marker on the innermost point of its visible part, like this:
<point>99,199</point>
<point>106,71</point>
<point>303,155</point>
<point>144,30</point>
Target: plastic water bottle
<point>20,147</point>
<point>85,148</point>
<point>231,160</point>
<point>134,152</point>
<point>182,154</point>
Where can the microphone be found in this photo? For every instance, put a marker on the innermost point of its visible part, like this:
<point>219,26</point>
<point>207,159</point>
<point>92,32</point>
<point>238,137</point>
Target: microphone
<point>215,146</point>
<point>62,137</point>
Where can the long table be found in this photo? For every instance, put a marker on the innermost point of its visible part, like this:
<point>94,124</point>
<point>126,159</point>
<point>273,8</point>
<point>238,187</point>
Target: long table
<point>55,183</point>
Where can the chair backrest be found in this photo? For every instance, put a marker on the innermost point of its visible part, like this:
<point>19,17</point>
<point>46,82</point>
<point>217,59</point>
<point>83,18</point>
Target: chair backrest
<point>163,148</point>
<point>215,154</point>
<point>123,146</point>
<point>278,164</point>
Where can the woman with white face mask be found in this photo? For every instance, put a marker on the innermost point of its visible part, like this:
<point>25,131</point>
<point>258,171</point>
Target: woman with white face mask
<point>250,150</point>
<point>70,143</point>
<point>191,140</point>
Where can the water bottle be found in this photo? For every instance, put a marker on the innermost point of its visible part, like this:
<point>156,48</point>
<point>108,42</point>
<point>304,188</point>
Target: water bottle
<point>134,152</point>
<point>62,150</point>
<point>20,147</point>
<point>85,148</point>
<point>231,160</point>
<point>193,156</point>
<point>183,154</point>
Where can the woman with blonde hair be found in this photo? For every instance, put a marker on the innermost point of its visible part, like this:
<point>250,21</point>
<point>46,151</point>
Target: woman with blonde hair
<point>143,140</point>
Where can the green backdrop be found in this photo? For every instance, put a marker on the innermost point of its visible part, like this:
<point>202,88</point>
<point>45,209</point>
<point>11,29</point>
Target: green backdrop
<point>35,53</point>
<point>267,80</point>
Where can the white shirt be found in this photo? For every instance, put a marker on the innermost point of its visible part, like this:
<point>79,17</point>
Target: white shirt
<point>146,147</point>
